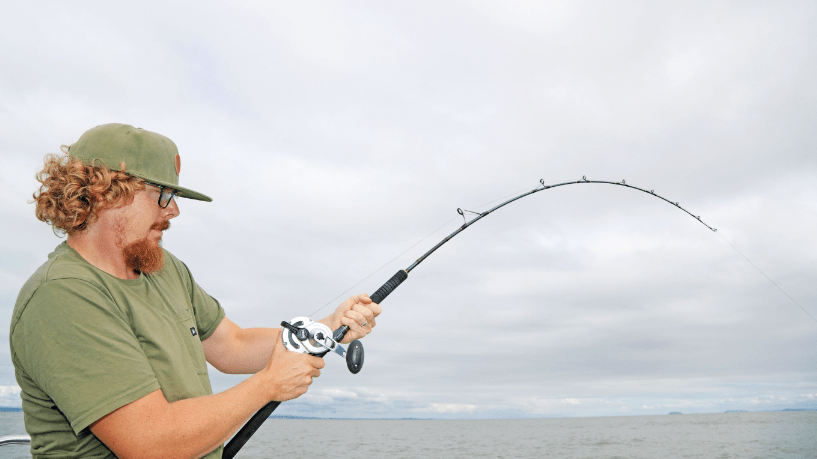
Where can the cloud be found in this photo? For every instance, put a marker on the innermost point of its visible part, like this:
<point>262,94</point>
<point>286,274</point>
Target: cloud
<point>451,408</point>
<point>334,139</point>
<point>9,396</point>
<point>9,390</point>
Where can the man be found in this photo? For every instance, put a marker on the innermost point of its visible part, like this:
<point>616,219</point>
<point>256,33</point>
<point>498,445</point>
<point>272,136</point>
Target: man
<point>109,337</point>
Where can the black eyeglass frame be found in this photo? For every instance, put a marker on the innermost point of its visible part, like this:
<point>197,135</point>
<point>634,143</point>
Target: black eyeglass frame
<point>164,196</point>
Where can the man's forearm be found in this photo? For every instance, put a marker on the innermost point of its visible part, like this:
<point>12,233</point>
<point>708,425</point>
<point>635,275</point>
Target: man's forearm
<point>186,428</point>
<point>233,350</point>
<point>253,350</point>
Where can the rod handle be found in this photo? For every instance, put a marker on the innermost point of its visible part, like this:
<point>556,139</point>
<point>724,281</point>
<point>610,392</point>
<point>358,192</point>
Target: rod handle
<point>355,362</point>
<point>238,440</point>
<point>389,286</point>
<point>378,297</point>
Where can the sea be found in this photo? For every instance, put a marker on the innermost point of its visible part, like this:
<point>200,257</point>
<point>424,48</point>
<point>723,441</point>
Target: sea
<point>788,434</point>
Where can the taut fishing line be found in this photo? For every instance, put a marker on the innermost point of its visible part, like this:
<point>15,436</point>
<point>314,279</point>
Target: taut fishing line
<point>306,336</point>
<point>403,252</point>
<point>767,277</point>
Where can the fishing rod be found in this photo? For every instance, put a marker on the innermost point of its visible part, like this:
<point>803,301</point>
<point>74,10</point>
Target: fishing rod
<point>304,335</point>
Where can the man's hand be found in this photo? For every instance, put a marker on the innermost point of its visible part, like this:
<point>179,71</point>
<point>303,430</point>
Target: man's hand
<point>358,313</point>
<point>151,427</point>
<point>289,374</point>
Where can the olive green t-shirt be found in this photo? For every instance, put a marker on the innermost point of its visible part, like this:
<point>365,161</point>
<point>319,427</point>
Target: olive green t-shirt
<point>84,343</point>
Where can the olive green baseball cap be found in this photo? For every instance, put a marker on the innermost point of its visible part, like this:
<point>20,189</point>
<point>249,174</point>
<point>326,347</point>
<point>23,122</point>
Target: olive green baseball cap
<point>147,155</point>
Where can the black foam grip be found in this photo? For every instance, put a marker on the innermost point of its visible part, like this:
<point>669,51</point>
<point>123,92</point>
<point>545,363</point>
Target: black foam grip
<point>389,286</point>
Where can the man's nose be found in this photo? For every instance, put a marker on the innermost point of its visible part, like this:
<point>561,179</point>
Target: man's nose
<point>172,209</point>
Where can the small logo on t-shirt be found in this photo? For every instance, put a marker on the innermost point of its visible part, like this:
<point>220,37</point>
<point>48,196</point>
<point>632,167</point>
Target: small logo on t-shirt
<point>193,331</point>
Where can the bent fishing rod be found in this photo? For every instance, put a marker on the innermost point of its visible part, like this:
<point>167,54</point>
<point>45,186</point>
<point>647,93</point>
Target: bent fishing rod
<point>306,336</point>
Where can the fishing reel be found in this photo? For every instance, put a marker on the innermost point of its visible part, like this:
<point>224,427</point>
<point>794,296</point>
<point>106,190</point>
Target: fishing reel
<point>306,336</point>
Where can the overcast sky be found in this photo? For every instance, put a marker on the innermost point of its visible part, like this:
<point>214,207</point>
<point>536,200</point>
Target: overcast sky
<point>333,136</point>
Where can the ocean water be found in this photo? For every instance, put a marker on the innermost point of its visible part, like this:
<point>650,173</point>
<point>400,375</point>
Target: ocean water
<point>727,435</point>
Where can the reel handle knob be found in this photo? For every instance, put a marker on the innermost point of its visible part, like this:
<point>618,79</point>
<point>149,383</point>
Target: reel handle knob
<point>354,356</point>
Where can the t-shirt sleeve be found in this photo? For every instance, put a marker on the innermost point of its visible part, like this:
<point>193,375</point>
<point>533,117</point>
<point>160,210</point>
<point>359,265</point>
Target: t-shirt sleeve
<point>207,309</point>
<point>78,346</point>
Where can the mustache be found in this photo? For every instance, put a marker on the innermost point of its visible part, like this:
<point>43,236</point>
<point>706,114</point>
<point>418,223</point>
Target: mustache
<point>161,226</point>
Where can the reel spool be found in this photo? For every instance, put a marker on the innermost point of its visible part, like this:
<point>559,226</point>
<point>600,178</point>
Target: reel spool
<point>306,344</point>
<point>305,336</point>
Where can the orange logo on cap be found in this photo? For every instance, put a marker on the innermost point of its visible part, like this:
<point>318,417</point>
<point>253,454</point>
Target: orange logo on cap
<point>178,164</point>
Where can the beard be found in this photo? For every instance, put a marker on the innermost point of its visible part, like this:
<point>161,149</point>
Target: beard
<point>146,255</point>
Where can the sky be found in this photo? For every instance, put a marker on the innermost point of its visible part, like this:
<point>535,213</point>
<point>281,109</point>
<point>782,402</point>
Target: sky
<point>334,136</point>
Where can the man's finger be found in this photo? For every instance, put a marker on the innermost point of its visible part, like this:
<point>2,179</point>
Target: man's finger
<point>367,313</point>
<point>354,326</point>
<point>316,362</point>
<point>374,307</point>
<point>358,316</point>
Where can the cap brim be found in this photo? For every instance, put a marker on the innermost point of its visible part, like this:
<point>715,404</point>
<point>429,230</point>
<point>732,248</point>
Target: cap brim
<point>183,192</point>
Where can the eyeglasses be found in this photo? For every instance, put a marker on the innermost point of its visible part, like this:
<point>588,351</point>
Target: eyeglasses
<point>165,194</point>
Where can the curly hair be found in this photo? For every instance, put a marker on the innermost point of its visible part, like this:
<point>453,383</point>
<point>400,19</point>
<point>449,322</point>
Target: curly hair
<point>72,194</point>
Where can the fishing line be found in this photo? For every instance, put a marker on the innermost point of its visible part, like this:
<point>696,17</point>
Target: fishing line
<point>403,253</point>
<point>380,268</point>
<point>767,277</point>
